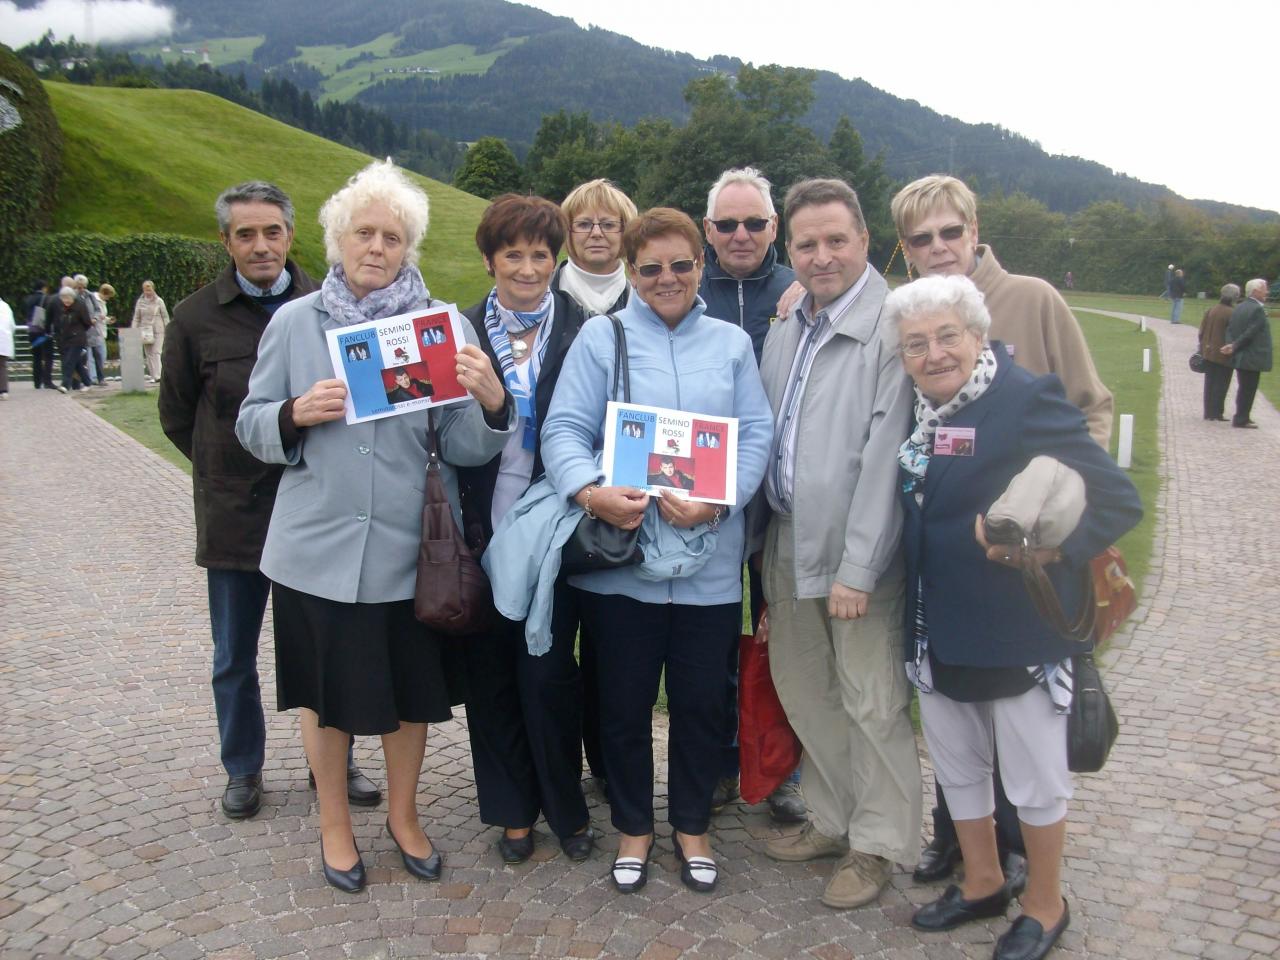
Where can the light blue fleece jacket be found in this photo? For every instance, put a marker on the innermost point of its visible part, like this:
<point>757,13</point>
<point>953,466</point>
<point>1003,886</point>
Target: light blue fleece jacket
<point>703,366</point>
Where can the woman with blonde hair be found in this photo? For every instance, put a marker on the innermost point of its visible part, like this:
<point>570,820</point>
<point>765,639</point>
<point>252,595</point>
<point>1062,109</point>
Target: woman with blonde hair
<point>151,317</point>
<point>594,274</point>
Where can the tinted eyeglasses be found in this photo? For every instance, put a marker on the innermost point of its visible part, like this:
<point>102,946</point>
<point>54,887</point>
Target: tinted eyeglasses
<point>583,225</point>
<point>679,267</point>
<point>919,346</point>
<point>918,241</point>
<point>729,225</point>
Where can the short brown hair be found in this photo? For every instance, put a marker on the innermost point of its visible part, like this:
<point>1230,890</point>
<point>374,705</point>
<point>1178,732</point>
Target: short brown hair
<point>659,222</point>
<point>512,217</point>
<point>820,192</point>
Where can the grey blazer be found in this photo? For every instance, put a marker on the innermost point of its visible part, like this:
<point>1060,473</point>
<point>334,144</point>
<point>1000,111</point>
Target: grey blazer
<point>348,515</point>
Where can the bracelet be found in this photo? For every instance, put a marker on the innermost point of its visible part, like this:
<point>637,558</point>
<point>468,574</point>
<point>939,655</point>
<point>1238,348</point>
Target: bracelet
<point>714,522</point>
<point>586,507</point>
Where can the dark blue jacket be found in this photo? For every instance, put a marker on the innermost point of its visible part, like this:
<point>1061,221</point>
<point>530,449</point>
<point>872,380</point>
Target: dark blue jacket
<point>979,612</point>
<point>750,303</point>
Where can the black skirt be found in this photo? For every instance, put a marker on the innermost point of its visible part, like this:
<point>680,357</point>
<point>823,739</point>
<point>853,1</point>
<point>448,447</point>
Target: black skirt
<point>364,668</point>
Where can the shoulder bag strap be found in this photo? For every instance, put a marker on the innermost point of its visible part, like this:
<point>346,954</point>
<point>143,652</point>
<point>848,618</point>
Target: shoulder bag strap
<point>621,365</point>
<point>1045,599</point>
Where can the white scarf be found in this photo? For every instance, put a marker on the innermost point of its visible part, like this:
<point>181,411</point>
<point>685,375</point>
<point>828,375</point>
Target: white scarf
<point>594,292</point>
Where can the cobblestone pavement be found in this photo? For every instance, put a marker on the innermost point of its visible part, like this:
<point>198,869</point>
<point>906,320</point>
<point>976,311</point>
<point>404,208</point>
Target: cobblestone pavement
<point>112,845</point>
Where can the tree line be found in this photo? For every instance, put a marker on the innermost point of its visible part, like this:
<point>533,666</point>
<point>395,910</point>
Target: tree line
<point>757,119</point>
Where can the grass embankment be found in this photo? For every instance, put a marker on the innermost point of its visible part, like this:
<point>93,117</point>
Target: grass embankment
<point>141,161</point>
<point>135,414</point>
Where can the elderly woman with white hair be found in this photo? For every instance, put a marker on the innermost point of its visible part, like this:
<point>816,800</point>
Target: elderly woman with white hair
<point>151,317</point>
<point>343,542</point>
<point>991,673</point>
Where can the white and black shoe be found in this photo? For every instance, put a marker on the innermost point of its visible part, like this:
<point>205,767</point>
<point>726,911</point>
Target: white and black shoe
<point>631,873</point>
<point>699,874</point>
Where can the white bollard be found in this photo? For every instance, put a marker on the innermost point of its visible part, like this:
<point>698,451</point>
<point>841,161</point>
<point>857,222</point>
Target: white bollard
<point>1124,452</point>
<point>1142,324</point>
<point>1146,359</point>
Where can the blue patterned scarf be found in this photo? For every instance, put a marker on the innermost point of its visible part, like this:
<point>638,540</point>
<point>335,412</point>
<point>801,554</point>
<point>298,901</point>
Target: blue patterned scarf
<point>401,295</point>
<point>499,322</point>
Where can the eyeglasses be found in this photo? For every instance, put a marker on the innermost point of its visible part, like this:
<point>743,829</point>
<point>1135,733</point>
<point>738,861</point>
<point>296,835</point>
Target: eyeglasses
<point>584,225</point>
<point>679,267</point>
<point>919,346</point>
<point>919,241</point>
<point>728,225</point>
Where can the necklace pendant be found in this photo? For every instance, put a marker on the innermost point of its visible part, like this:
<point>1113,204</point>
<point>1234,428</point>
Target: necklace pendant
<point>519,349</point>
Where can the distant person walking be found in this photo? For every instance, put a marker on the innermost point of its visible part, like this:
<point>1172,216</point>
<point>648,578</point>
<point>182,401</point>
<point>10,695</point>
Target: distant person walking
<point>96,345</point>
<point>40,333</point>
<point>151,317</point>
<point>1217,366</point>
<point>1168,280</point>
<point>1069,281</point>
<point>1177,290</point>
<point>1249,347</point>
<point>73,336</point>
<point>6,347</point>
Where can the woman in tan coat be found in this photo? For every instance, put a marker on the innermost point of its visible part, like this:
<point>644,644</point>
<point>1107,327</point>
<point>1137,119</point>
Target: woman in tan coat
<point>1217,366</point>
<point>151,317</point>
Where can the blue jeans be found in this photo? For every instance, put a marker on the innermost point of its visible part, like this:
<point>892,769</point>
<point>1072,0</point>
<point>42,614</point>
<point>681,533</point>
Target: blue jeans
<point>237,602</point>
<point>97,363</point>
<point>1177,311</point>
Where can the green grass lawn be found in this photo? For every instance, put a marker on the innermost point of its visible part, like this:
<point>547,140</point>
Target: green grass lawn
<point>135,414</point>
<point>154,161</point>
<point>222,50</point>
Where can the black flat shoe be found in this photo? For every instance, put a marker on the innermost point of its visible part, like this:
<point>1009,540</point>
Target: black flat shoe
<point>361,791</point>
<point>937,861</point>
<point>578,847</point>
<point>1028,940</point>
<point>515,849</point>
<point>952,909</point>
<point>699,874</point>
<point>631,873</point>
<point>424,868</point>
<point>348,881</point>
<point>243,796</point>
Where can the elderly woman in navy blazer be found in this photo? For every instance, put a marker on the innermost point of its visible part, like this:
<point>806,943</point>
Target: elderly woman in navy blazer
<point>989,670</point>
<point>343,542</point>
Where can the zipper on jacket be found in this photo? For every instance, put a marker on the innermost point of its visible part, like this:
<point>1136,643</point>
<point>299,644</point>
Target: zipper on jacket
<point>671,346</point>
<point>742,308</point>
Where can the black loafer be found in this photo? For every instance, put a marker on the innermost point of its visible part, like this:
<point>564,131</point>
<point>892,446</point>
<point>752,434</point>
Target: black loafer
<point>1015,873</point>
<point>578,847</point>
<point>348,881</point>
<point>361,791</point>
<point>951,909</point>
<point>243,796</point>
<point>937,861</point>
<point>703,865</point>
<point>424,868</point>
<point>630,874</point>
<point>1028,940</point>
<point>515,849</point>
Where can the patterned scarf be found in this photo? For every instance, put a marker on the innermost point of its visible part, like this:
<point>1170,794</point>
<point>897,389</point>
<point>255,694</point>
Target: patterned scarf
<point>402,294</point>
<point>916,449</point>
<point>499,322</point>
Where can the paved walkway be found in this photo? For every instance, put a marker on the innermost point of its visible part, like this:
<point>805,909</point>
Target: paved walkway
<point>111,843</point>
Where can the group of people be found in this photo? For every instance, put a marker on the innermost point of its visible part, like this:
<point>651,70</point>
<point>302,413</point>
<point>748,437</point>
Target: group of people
<point>868,571</point>
<point>70,322</point>
<point>1235,335</point>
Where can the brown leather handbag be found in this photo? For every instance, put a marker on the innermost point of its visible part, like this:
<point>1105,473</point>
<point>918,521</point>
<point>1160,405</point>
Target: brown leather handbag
<point>452,595</point>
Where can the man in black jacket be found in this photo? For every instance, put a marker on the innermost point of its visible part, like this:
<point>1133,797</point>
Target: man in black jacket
<point>209,351</point>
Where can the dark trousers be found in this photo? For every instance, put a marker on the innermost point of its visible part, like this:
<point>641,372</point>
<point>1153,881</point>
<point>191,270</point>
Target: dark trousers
<point>74,360</point>
<point>635,642</point>
<point>1217,377</point>
<point>237,602</point>
<point>524,718</point>
<point>42,364</point>
<point>1246,389</point>
<point>1008,830</point>
<point>590,702</point>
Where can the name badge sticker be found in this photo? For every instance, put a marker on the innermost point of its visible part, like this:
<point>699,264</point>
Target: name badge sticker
<point>954,442</point>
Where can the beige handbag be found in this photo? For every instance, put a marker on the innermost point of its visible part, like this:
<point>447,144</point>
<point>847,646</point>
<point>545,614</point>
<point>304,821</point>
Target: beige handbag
<point>1043,503</point>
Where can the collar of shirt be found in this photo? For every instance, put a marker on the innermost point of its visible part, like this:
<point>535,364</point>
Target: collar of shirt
<point>835,310</point>
<point>277,288</point>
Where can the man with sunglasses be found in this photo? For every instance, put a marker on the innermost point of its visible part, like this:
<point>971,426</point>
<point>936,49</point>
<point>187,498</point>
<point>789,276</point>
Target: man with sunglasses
<point>741,283</point>
<point>937,222</point>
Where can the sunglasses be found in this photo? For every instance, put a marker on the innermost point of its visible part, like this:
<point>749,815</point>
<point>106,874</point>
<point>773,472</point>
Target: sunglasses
<point>679,267</point>
<point>727,226</point>
<point>918,241</point>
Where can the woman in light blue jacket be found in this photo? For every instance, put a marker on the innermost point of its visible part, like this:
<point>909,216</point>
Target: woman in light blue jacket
<point>679,358</point>
<point>343,542</point>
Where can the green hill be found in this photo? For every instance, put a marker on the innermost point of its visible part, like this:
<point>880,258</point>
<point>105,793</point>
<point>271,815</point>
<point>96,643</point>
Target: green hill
<point>155,160</point>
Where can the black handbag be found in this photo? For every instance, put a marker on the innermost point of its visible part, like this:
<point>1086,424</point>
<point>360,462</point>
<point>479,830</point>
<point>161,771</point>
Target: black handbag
<point>1196,362</point>
<point>596,544</point>
<point>1092,726</point>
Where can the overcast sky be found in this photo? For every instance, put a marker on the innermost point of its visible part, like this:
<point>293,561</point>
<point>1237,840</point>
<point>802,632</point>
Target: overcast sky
<point>1178,93</point>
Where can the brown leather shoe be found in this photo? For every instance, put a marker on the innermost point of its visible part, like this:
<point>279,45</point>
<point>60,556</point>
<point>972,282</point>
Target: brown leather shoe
<point>808,844</point>
<point>857,880</point>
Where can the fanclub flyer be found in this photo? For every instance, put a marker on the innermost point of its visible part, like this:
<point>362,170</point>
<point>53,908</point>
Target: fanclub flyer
<point>400,364</point>
<point>658,449</point>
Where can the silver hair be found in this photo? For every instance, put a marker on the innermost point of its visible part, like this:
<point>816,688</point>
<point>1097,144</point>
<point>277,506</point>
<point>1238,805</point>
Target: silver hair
<point>379,182</point>
<point>1229,293</point>
<point>747,175</point>
<point>252,191</point>
<point>933,295</point>
<point>81,279</point>
<point>67,292</point>
<point>1256,287</point>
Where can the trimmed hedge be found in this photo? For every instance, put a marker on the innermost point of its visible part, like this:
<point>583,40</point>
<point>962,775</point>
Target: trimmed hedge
<point>30,152</point>
<point>178,265</point>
